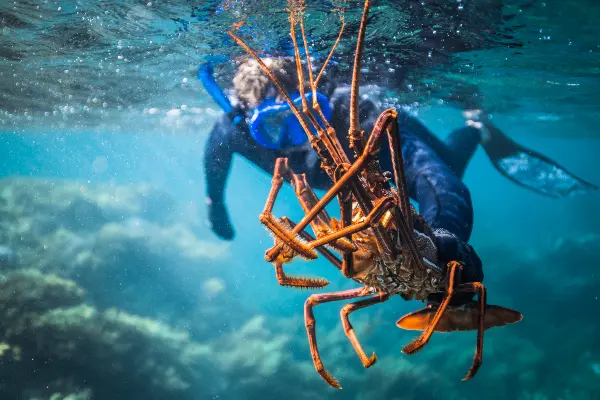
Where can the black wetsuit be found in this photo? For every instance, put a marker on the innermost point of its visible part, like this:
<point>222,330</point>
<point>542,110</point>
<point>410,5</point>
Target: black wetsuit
<point>433,172</point>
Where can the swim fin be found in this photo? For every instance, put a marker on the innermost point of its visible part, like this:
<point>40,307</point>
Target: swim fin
<point>529,168</point>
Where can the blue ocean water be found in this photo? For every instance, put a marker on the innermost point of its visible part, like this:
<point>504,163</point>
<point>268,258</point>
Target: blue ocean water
<point>103,125</point>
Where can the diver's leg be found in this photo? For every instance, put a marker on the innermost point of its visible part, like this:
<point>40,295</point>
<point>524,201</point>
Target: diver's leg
<point>411,126</point>
<point>349,330</point>
<point>456,151</point>
<point>461,145</point>
<point>444,200</point>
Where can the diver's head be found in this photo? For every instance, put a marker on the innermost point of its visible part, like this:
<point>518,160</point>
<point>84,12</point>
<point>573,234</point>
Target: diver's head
<point>253,86</point>
<point>270,119</point>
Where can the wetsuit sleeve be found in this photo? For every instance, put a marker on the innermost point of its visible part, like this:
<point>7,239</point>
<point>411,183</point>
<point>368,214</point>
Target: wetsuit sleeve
<point>218,154</point>
<point>225,140</point>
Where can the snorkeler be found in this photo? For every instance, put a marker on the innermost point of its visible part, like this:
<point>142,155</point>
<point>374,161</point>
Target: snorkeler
<point>261,128</point>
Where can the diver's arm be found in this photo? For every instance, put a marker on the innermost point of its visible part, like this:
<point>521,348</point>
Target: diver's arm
<point>218,154</point>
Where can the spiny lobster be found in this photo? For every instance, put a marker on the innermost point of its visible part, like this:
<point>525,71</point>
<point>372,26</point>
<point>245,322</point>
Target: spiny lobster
<point>385,244</point>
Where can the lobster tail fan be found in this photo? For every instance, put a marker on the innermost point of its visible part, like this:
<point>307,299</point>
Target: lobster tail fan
<point>459,319</point>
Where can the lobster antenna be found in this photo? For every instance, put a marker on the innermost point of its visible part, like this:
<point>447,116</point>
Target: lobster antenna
<point>296,13</point>
<point>329,139</point>
<point>337,41</point>
<point>354,131</point>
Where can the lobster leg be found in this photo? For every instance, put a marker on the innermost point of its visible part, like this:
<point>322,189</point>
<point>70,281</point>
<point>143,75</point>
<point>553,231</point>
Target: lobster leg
<point>321,224</point>
<point>370,220</point>
<point>388,121</point>
<point>324,147</point>
<point>280,231</point>
<point>326,151</point>
<point>417,344</point>
<point>349,330</point>
<point>345,199</point>
<point>332,258</point>
<point>295,281</point>
<point>321,204</point>
<point>398,165</point>
<point>481,291</point>
<point>309,321</point>
<point>282,227</point>
<point>359,192</point>
<point>307,197</point>
<point>298,281</point>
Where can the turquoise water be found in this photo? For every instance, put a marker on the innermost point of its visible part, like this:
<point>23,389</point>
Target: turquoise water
<point>99,98</point>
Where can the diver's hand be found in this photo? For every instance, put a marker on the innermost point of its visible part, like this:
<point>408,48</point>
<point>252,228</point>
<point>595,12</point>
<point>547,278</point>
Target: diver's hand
<point>451,248</point>
<point>218,220</point>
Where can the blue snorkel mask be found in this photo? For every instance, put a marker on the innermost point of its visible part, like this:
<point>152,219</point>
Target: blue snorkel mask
<point>274,126</point>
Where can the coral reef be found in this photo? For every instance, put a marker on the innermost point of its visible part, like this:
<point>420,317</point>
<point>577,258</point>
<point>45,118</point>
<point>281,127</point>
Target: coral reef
<point>57,347</point>
<point>124,245</point>
<point>107,292</point>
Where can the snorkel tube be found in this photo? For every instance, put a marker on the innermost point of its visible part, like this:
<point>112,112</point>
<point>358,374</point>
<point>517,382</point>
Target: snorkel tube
<point>205,75</point>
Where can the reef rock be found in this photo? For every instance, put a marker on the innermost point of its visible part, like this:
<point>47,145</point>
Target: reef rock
<point>54,346</point>
<point>127,246</point>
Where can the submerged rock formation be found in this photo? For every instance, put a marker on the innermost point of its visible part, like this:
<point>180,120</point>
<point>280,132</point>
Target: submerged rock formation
<point>107,293</point>
<point>54,346</point>
<point>124,245</point>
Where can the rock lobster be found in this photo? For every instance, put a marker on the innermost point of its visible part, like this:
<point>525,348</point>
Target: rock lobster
<point>385,245</point>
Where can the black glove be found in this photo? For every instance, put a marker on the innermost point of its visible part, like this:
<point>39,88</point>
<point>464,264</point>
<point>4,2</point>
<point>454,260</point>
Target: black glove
<point>218,220</point>
<point>451,248</point>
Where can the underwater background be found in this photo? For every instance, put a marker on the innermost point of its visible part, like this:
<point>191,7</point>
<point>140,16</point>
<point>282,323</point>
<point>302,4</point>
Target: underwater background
<point>113,287</point>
